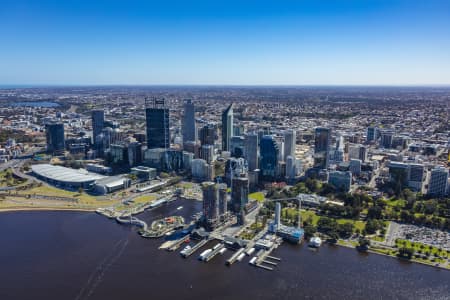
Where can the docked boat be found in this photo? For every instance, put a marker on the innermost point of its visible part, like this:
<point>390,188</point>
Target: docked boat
<point>315,242</point>
<point>185,250</point>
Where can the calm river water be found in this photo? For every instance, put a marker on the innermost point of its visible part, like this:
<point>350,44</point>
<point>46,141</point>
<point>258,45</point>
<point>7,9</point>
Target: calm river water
<point>73,255</point>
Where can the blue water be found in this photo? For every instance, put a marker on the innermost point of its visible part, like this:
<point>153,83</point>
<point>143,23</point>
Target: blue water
<point>34,104</point>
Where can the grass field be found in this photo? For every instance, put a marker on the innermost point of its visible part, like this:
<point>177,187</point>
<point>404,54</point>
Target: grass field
<point>258,196</point>
<point>144,199</point>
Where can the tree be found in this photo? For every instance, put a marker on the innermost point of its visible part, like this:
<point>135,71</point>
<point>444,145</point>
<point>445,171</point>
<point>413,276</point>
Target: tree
<point>374,212</point>
<point>406,252</point>
<point>363,244</point>
<point>310,230</point>
<point>345,230</point>
<point>80,190</point>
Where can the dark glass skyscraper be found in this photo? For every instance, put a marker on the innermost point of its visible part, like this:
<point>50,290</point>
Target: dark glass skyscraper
<point>227,127</point>
<point>98,123</point>
<point>188,122</point>
<point>55,138</point>
<point>322,143</point>
<point>208,134</point>
<point>157,117</point>
<point>268,150</point>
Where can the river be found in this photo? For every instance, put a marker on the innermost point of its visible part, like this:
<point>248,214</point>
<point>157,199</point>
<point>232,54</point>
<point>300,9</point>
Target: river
<point>75,255</point>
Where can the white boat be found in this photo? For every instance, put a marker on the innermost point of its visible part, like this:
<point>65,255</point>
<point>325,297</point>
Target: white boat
<point>315,242</point>
<point>185,250</point>
<point>204,254</point>
<point>179,207</point>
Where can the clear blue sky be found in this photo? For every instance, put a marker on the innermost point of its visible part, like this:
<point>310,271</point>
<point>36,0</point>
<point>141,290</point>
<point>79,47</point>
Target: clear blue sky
<point>300,42</point>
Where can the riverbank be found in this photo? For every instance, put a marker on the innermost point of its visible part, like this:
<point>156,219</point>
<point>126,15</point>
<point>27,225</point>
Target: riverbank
<point>379,252</point>
<point>13,209</point>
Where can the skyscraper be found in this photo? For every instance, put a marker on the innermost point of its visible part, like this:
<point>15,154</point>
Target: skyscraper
<point>98,123</point>
<point>208,134</point>
<point>211,206</point>
<point>227,127</point>
<point>372,134</point>
<point>268,149</point>
<point>55,137</point>
<point>157,117</point>
<point>290,139</point>
<point>188,122</point>
<point>239,193</point>
<point>322,142</point>
<point>251,151</point>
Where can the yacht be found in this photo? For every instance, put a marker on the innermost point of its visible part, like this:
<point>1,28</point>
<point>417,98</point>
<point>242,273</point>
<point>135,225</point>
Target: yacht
<point>315,242</point>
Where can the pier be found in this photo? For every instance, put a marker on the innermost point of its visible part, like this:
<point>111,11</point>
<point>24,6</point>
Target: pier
<point>217,248</point>
<point>194,248</point>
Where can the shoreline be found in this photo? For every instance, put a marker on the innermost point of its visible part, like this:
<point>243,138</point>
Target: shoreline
<point>391,256</point>
<point>13,209</point>
<point>93,210</point>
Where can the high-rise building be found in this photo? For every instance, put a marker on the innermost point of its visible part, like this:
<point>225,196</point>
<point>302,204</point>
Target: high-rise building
<point>98,123</point>
<point>251,151</point>
<point>438,185</point>
<point>290,139</point>
<point>386,138</point>
<point>322,142</point>
<point>268,149</point>
<point>157,118</point>
<point>416,177</point>
<point>372,134</point>
<point>239,193</point>
<point>55,137</point>
<point>208,134</point>
<point>211,207</point>
<point>399,173</point>
<point>134,154</point>
<point>207,153</point>
<point>188,122</point>
<point>340,180</point>
<point>227,127</point>
<point>237,146</point>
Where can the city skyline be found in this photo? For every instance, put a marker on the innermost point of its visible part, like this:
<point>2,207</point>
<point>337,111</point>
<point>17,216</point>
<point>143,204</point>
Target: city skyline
<point>257,43</point>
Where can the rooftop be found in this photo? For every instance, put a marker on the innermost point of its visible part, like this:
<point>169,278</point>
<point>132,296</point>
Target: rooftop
<point>64,174</point>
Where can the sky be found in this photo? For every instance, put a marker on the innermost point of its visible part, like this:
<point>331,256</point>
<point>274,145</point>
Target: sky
<point>215,42</point>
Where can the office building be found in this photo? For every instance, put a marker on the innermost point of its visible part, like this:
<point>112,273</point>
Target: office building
<point>438,185</point>
<point>268,149</point>
<point>372,134</point>
<point>322,142</point>
<point>251,151</point>
<point>416,177</point>
<point>237,146</point>
<point>340,180</point>
<point>290,139</point>
<point>189,129</point>
<point>134,154</point>
<point>98,123</point>
<point>208,134</point>
<point>157,124</point>
<point>227,127</point>
<point>207,153</point>
<point>55,138</point>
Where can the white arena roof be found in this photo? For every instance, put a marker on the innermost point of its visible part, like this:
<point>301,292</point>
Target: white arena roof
<point>64,174</point>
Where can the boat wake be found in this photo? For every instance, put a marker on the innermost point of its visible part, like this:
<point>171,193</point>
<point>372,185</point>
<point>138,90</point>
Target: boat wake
<point>97,275</point>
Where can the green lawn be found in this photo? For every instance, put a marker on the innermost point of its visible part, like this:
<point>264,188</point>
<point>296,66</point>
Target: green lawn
<point>144,199</point>
<point>306,214</point>
<point>258,196</point>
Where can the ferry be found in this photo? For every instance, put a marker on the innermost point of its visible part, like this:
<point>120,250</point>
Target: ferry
<point>315,242</point>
